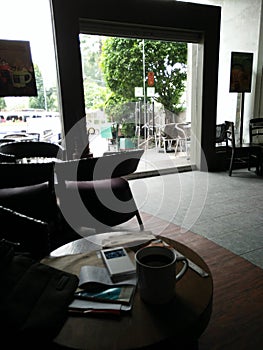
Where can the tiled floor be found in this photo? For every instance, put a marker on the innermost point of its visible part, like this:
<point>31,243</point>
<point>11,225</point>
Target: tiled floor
<point>226,210</point>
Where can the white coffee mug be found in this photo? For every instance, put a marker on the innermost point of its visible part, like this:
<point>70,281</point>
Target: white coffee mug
<point>20,78</point>
<point>156,273</point>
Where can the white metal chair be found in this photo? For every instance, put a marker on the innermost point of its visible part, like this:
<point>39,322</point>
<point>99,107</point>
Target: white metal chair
<point>166,139</point>
<point>183,137</point>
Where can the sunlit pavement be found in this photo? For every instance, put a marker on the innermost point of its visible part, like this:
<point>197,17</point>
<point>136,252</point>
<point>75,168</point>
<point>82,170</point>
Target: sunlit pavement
<point>152,159</point>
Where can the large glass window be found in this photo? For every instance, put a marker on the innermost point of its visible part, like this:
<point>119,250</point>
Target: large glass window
<point>135,97</point>
<point>30,20</point>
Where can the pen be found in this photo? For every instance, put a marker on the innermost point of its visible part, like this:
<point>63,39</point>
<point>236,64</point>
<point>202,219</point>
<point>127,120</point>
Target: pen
<point>94,311</point>
<point>191,264</point>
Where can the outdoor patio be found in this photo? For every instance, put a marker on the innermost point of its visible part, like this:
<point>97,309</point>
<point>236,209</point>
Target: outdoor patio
<point>152,161</point>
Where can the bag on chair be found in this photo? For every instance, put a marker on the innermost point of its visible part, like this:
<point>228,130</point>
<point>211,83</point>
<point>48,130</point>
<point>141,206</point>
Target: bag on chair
<point>34,299</point>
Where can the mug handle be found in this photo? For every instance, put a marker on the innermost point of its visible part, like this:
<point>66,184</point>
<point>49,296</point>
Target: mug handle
<point>29,75</point>
<point>184,268</point>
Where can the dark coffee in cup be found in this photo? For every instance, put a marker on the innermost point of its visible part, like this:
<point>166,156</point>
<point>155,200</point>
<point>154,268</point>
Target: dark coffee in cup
<point>156,273</point>
<point>156,260</point>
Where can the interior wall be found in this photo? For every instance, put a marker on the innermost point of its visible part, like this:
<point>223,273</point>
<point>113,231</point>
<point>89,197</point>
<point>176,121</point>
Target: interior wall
<point>241,31</point>
<point>165,14</point>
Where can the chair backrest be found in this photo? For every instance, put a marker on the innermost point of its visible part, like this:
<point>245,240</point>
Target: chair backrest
<point>16,135</point>
<point>27,149</point>
<point>122,163</point>
<point>170,131</point>
<point>99,168</point>
<point>184,130</point>
<point>256,130</point>
<point>29,189</point>
<point>6,140</point>
<point>7,158</point>
<point>28,234</point>
<point>220,133</point>
<point>27,174</point>
<point>230,135</point>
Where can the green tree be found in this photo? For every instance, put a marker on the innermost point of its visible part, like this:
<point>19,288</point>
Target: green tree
<point>39,100</point>
<point>45,99</point>
<point>96,93</point>
<point>122,65</point>
<point>90,53</point>
<point>2,103</point>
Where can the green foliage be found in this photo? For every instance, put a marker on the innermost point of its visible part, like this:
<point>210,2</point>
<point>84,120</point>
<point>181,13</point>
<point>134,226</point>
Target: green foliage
<point>39,100</point>
<point>2,103</point>
<point>128,130</point>
<point>90,54</point>
<point>95,91</point>
<point>95,95</point>
<point>44,99</point>
<point>118,107</point>
<point>122,66</point>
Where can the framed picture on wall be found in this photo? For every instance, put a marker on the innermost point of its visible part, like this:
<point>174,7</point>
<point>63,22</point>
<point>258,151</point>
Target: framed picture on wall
<point>241,71</point>
<point>17,76</point>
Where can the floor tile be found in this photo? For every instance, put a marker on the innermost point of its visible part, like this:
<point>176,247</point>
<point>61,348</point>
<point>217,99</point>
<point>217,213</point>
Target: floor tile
<point>226,210</point>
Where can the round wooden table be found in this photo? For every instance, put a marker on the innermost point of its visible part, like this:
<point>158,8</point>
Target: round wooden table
<point>178,324</point>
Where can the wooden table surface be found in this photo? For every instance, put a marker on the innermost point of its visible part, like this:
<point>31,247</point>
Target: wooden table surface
<point>180,322</point>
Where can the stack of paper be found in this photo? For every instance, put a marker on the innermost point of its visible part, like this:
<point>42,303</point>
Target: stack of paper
<point>97,293</point>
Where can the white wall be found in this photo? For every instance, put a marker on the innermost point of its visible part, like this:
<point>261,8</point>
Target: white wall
<point>240,31</point>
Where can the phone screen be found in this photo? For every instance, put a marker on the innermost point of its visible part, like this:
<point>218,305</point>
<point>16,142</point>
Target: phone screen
<point>114,253</point>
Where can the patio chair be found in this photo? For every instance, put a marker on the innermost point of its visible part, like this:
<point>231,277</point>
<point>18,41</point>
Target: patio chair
<point>256,139</point>
<point>94,193</point>
<point>183,137</point>
<point>166,140</point>
<point>239,155</point>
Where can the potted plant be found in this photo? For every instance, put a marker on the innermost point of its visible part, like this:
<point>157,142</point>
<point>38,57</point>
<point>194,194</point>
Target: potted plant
<point>128,141</point>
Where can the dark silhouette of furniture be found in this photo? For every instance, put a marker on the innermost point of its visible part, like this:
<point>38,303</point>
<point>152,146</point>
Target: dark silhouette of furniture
<point>7,158</point>
<point>32,149</point>
<point>220,139</point>
<point>94,193</point>
<point>29,189</point>
<point>239,155</point>
<point>6,140</point>
<point>22,136</point>
<point>256,139</point>
<point>24,233</point>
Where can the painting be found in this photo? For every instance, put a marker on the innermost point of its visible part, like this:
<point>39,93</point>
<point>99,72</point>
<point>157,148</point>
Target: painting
<point>241,71</point>
<point>17,76</point>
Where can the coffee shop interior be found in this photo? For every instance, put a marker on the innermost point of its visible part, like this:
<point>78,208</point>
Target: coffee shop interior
<point>210,209</point>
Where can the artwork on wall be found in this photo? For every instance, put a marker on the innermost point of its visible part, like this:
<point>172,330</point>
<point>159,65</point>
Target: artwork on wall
<point>241,71</point>
<point>17,76</point>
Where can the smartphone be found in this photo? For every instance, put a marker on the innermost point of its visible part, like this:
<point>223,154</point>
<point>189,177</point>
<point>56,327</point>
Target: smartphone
<point>118,261</point>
